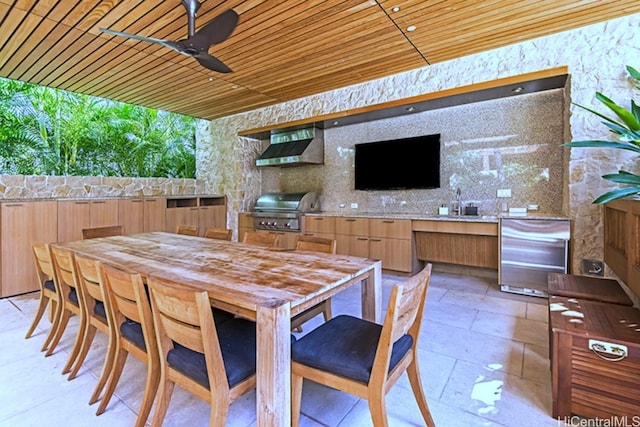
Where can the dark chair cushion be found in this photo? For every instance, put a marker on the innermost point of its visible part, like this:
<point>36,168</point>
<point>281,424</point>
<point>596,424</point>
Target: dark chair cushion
<point>346,346</point>
<point>48,284</point>
<point>73,296</point>
<point>237,339</point>
<point>99,310</point>
<point>220,316</point>
<point>132,331</point>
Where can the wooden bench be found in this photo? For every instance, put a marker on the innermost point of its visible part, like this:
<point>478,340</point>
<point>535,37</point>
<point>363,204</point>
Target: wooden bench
<point>587,288</point>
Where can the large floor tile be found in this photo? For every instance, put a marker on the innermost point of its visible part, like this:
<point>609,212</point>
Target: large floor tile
<point>492,304</point>
<point>510,327</point>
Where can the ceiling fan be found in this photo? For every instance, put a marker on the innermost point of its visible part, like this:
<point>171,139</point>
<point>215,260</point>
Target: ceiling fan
<point>197,44</point>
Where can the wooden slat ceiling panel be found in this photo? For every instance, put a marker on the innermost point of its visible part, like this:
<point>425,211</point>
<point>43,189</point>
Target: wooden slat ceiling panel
<point>280,50</point>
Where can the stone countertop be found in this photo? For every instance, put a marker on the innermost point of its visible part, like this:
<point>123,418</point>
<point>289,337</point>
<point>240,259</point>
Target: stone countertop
<point>428,217</point>
<point>68,199</point>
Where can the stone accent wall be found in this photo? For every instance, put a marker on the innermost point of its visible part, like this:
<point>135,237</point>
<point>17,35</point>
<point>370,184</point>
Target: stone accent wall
<point>16,187</point>
<point>595,56</point>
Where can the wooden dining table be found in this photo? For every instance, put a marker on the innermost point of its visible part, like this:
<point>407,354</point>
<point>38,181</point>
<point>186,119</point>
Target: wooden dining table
<point>266,285</point>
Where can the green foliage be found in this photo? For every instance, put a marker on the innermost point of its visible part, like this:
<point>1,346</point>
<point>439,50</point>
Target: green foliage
<point>626,129</point>
<point>44,131</point>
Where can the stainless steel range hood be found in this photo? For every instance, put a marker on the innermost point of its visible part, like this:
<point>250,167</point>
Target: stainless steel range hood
<point>294,146</point>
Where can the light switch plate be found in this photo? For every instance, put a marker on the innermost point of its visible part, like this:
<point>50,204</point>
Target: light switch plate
<point>354,206</point>
<point>504,192</point>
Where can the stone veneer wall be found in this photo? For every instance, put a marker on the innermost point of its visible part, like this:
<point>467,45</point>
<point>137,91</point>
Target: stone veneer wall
<point>595,56</point>
<point>16,187</point>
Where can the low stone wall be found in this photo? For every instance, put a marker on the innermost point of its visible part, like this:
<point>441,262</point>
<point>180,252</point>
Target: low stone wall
<point>16,187</point>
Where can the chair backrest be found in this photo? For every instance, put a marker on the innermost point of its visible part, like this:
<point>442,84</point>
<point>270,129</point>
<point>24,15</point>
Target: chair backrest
<point>44,265</point>
<point>188,230</point>
<point>112,230</point>
<point>218,233</point>
<point>404,316</point>
<point>89,281</point>
<point>63,261</point>
<point>316,244</point>
<point>261,239</point>
<point>128,300</point>
<point>183,316</point>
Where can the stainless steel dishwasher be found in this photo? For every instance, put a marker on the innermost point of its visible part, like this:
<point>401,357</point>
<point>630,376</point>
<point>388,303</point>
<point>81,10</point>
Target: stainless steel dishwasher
<point>530,249</point>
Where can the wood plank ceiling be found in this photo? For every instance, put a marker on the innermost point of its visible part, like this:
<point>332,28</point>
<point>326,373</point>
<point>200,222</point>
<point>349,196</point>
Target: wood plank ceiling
<point>280,50</point>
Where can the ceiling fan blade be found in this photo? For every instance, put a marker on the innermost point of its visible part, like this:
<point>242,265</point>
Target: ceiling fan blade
<point>212,63</point>
<point>215,31</point>
<point>171,45</point>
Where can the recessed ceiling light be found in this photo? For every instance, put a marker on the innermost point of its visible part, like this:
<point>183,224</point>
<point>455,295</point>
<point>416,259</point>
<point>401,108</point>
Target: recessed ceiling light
<point>411,28</point>
<point>411,109</point>
<point>234,86</point>
<point>210,79</point>
<point>336,123</point>
<point>395,9</point>
<point>517,89</point>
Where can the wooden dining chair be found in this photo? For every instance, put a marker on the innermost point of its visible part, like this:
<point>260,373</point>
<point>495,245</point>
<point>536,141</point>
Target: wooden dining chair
<point>63,261</point>
<point>188,230</point>
<point>49,292</point>
<point>130,311</point>
<point>112,230</point>
<point>364,358</point>
<point>218,233</point>
<point>313,244</point>
<point>214,361</point>
<point>269,240</point>
<point>96,319</point>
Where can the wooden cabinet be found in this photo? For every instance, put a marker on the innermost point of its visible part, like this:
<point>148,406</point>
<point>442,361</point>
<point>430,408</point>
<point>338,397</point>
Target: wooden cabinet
<point>201,212</point>
<point>75,215</point>
<point>622,241</point>
<point>21,225</point>
<point>142,215</point>
<point>319,226</point>
<point>457,242</point>
<point>388,240</point>
<point>245,223</point>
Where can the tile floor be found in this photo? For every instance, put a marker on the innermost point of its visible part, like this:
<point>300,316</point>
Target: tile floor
<point>483,361</point>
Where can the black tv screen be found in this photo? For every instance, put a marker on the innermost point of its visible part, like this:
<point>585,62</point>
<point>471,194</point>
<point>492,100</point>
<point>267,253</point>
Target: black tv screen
<point>399,164</point>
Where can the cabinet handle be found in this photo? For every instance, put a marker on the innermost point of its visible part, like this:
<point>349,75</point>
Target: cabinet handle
<point>388,221</point>
<point>350,220</point>
<point>194,209</point>
<point>14,205</point>
<point>375,240</point>
<point>318,219</point>
<point>81,203</point>
<point>99,201</point>
<point>137,201</point>
<point>362,238</point>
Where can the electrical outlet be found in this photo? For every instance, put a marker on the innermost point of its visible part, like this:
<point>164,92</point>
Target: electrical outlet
<point>593,267</point>
<point>504,192</point>
<point>354,206</point>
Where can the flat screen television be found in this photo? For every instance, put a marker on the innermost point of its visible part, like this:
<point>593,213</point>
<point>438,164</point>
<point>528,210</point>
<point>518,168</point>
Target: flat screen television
<point>399,164</point>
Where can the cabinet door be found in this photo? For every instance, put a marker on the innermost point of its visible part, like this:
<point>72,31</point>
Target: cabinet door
<point>393,228</point>
<point>395,254</point>
<point>74,216</point>
<point>104,213</point>
<point>352,226</point>
<point>131,214</point>
<point>212,216</point>
<point>21,225</point>
<point>352,245</point>
<point>316,225</point>
<point>155,214</point>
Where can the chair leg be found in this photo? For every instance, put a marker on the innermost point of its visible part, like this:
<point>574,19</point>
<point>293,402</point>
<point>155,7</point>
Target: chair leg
<point>76,345</point>
<point>62,325</point>
<point>219,411</point>
<point>378,408</point>
<point>42,306</point>
<point>85,345</point>
<point>296,399</point>
<point>150,390</point>
<point>55,314</point>
<point>114,377</point>
<point>416,385</point>
<point>107,367</point>
<point>327,310</point>
<point>164,397</point>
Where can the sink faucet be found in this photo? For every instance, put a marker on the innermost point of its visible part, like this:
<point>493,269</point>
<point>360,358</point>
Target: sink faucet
<point>459,201</point>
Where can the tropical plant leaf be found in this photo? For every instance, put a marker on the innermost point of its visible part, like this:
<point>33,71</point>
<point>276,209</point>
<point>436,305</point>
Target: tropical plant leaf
<point>599,114</point>
<point>635,109</point>
<point>625,115</point>
<point>603,144</point>
<point>619,193</point>
<point>623,177</point>
<point>633,72</point>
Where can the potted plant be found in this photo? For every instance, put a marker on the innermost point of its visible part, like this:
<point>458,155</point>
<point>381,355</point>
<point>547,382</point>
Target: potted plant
<point>626,128</point>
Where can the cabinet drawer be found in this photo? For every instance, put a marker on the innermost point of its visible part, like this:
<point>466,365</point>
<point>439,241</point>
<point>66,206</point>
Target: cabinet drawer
<point>390,228</point>
<point>320,224</point>
<point>352,226</point>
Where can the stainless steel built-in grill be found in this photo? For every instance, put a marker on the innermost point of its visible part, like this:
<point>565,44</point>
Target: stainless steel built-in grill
<point>283,211</point>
